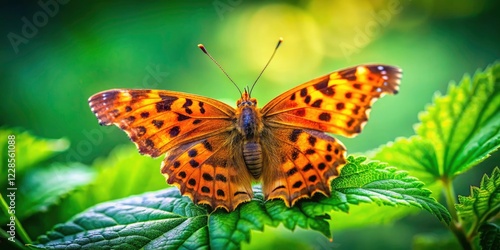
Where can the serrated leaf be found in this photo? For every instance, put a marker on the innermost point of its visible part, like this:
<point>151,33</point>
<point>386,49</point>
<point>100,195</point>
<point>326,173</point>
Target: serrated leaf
<point>483,203</point>
<point>164,219</point>
<point>161,220</point>
<point>386,185</point>
<point>489,237</point>
<point>464,125</point>
<point>459,130</point>
<point>24,145</point>
<point>372,214</point>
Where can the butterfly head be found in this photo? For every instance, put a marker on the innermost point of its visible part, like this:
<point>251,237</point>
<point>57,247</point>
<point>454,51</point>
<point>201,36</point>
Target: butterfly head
<point>246,100</point>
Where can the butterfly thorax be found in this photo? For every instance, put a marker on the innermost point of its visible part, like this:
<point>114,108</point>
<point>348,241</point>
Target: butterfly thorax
<point>249,124</point>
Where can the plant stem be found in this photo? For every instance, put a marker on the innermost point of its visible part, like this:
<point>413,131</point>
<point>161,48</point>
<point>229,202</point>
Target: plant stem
<point>449,193</point>
<point>456,224</point>
<point>17,243</point>
<point>20,229</point>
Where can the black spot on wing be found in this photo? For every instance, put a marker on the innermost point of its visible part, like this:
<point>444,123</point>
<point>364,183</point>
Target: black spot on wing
<point>322,84</point>
<point>294,136</point>
<point>207,177</point>
<point>317,103</point>
<point>157,123</point>
<point>220,177</point>
<point>165,104</point>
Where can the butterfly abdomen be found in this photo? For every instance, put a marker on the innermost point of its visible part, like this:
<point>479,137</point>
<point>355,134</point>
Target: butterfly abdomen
<point>252,154</point>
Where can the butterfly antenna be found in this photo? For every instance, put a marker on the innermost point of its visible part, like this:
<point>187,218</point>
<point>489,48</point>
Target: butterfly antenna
<point>220,67</point>
<point>271,58</point>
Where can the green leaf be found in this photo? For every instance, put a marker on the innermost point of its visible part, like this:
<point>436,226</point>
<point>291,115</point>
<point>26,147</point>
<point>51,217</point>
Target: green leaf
<point>464,125</point>
<point>372,214</point>
<point>483,203</point>
<point>384,185</point>
<point>123,173</point>
<point>164,219</point>
<point>43,187</point>
<point>160,220</point>
<point>413,154</point>
<point>24,145</point>
<point>459,130</point>
<point>490,236</point>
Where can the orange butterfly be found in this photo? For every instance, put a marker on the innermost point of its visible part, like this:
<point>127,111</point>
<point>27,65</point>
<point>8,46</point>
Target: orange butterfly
<point>214,152</point>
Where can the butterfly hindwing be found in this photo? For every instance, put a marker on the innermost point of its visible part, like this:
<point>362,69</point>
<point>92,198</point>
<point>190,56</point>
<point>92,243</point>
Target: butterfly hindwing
<point>307,161</point>
<point>337,103</point>
<point>210,171</point>
<point>157,120</point>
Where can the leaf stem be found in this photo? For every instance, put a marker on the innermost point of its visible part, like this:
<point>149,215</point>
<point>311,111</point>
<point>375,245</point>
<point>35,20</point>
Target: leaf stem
<point>449,193</point>
<point>20,229</point>
<point>17,243</point>
<point>456,225</point>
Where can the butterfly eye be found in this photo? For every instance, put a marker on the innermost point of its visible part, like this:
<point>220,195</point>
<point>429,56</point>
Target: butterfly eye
<point>254,101</point>
<point>238,102</point>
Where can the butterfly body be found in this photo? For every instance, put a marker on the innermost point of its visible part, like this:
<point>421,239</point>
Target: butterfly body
<point>214,152</point>
<point>249,125</point>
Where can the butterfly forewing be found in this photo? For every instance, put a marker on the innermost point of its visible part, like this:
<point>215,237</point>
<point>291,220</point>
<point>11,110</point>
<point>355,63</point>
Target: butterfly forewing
<point>157,120</point>
<point>338,102</point>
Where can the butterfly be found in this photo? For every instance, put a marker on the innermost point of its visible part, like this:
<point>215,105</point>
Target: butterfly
<point>214,152</point>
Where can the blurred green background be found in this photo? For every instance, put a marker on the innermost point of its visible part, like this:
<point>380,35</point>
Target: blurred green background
<point>54,56</point>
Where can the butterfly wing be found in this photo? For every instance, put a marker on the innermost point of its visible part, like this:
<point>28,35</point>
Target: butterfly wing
<point>308,160</point>
<point>337,103</point>
<point>196,133</point>
<point>296,120</point>
<point>210,171</point>
<point>156,120</point>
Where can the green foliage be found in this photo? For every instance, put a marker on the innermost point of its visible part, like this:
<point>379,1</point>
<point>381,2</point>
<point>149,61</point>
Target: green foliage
<point>39,184</point>
<point>459,130</point>
<point>25,142</point>
<point>164,219</point>
<point>123,173</point>
<point>44,187</point>
<point>490,236</point>
<point>482,205</point>
<point>464,125</point>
